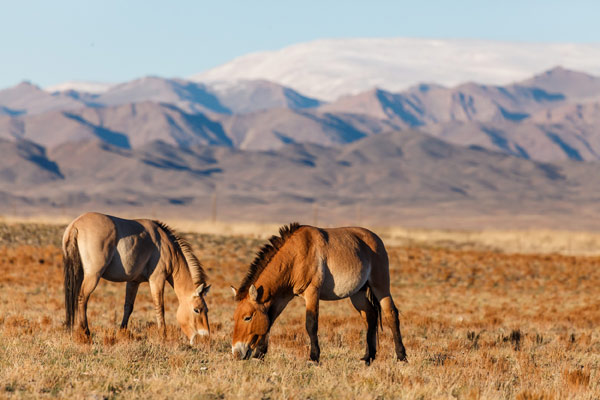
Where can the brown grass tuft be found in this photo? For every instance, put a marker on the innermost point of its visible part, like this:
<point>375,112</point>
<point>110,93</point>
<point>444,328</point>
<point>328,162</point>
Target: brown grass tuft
<point>578,378</point>
<point>529,395</point>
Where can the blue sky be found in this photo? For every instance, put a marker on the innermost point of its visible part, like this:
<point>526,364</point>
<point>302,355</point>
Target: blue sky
<point>48,42</point>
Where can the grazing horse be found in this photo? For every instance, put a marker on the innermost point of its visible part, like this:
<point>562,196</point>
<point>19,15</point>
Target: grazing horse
<point>316,264</point>
<point>120,250</point>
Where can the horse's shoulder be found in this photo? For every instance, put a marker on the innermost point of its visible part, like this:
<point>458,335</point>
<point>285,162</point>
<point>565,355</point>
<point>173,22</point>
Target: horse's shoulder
<point>311,235</point>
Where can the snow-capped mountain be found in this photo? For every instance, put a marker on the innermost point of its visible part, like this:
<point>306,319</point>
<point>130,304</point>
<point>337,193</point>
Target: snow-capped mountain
<point>327,69</point>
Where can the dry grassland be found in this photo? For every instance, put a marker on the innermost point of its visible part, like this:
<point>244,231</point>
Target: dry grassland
<point>477,324</point>
<point>522,241</point>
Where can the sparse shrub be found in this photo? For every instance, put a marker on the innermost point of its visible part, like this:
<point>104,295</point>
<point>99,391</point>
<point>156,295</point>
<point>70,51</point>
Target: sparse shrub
<point>474,339</point>
<point>514,338</point>
<point>539,339</point>
<point>578,378</point>
<point>528,395</point>
<point>109,337</point>
<point>439,359</point>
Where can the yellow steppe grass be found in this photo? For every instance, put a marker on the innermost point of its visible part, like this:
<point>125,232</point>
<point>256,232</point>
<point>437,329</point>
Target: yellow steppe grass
<point>477,324</point>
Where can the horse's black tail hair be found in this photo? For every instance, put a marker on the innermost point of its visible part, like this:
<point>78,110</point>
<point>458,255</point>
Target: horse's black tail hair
<point>73,270</point>
<point>375,303</point>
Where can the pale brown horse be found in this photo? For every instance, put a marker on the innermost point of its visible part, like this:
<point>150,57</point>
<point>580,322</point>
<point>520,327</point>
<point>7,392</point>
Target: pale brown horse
<point>120,250</point>
<point>316,264</point>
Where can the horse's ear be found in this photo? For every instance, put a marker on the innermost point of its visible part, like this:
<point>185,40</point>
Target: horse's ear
<point>206,290</point>
<point>199,290</point>
<point>234,290</point>
<point>253,293</point>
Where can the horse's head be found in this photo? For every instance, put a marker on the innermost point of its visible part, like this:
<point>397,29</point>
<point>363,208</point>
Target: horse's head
<point>192,313</point>
<point>251,326</point>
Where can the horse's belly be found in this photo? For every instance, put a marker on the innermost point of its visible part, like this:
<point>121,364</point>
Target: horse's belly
<point>339,283</point>
<point>117,272</point>
<point>126,266</point>
<point>116,275</point>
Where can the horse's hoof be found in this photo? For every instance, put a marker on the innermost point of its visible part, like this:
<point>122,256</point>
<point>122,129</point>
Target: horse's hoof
<point>368,360</point>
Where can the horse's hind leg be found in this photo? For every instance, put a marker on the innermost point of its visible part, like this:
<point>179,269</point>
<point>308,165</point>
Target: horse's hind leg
<point>379,281</point>
<point>369,314</point>
<point>130,293</point>
<point>87,287</point>
<point>390,315</point>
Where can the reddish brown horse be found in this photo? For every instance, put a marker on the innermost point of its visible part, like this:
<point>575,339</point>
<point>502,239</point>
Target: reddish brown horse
<point>316,264</point>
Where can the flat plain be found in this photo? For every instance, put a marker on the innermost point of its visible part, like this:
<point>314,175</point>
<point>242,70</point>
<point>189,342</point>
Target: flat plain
<point>478,323</point>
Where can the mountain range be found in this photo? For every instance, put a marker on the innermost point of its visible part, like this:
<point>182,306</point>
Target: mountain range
<point>550,117</point>
<point>466,155</point>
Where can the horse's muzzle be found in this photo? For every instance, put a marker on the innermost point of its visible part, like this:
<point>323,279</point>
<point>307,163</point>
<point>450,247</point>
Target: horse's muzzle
<point>241,351</point>
<point>200,333</point>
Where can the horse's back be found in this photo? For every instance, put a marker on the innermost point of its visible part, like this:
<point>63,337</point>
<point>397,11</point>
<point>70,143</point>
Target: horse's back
<point>101,236</point>
<point>354,238</point>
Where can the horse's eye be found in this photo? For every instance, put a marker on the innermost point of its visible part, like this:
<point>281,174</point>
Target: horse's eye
<point>248,318</point>
<point>197,310</point>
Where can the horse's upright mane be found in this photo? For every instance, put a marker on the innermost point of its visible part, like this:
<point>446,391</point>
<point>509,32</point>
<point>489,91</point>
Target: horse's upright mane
<point>182,245</point>
<point>264,257</point>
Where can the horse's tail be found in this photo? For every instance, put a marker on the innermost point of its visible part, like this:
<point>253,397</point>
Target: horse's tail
<point>375,303</point>
<point>73,270</point>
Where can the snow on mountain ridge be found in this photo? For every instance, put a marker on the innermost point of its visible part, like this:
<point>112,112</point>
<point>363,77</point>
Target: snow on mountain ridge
<point>80,86</point>
<point>329,68</point>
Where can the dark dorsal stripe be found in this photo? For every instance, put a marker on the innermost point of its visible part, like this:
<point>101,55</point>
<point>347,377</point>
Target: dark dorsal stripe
<point>182,246</point>
<point>264,257</point>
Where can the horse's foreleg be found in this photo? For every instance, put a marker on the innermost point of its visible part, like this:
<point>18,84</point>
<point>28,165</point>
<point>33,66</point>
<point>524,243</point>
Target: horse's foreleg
<point>157,288</point>
<point>390,313</point>
<point>369,315</point>
<point>311,297</point>
<point>87,287</point>
<point>130,293</point>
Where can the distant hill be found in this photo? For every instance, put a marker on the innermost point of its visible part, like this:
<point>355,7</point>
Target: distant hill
<point>573,84</point>
<point>123,126</point>
<point>189,96</point>
<point>248,96</point>
<point>192,97</point>
<point>24,163</point>
<point>28,98</point>
<point>427,104</point>
<point>556,120</point>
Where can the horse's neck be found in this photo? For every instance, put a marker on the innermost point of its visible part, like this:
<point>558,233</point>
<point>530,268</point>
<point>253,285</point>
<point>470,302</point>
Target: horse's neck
<point>277,283</point>
<point>181,276</point>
